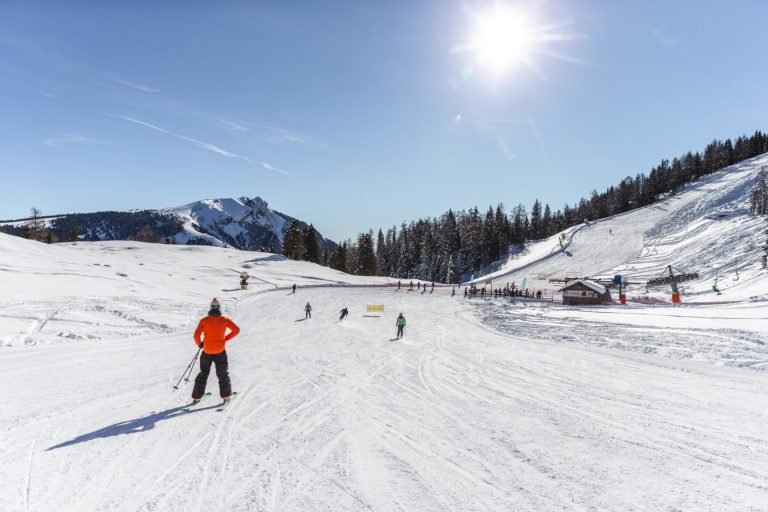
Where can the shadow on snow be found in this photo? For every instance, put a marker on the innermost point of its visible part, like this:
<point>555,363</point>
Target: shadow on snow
<point>134,426</point>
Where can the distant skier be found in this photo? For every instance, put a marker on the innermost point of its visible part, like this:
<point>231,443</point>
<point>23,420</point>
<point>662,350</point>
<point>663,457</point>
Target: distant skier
<point>307,311</point>
<point>433,287</point>
<point>398,286</point>
<point>344,313</point>
<point>425,289</point>
<point>411,289</point>
<point>400,323</point>
<point>293,288</point>
<point>418,285</point>
<point>453,291</point>
<point>211,335</point>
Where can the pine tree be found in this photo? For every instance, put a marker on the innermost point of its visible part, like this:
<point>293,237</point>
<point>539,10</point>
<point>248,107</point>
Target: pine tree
<point>381,254</point>
<point>502,230</point>
<point>405,260</point>
<point>351,261</point>
<point>310,244</point>
<point>338,259</point>
<point>293,242</point>
<point>490,241</point>
<point>546,223</point>
<point>519,219</point>
<point>536,220</point>
<point>758,203</point>
<point>366,257</point>
<point>34,228</point>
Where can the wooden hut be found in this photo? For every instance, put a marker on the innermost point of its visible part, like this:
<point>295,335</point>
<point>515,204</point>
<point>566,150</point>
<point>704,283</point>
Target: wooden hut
<point>583,291</point>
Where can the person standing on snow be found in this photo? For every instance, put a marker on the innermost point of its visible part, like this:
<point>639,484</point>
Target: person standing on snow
<point>307,311</point>
<point>293,288</point>
<point>400,323</point>
<point>344,313</point>
<point>211,335</point>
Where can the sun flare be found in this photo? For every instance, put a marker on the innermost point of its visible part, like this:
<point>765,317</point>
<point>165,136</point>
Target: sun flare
<point>503,38</point>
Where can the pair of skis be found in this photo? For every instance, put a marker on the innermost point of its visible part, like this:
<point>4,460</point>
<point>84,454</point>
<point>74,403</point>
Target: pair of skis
<point>206,396</point>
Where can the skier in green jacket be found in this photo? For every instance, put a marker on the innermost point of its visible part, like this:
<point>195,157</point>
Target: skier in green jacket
<point>400,323</point>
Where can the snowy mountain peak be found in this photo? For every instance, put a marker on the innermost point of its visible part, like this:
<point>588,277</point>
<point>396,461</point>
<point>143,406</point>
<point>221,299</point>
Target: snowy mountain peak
<point>243,222</point>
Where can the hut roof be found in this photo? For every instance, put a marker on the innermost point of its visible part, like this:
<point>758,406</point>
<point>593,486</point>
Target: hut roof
<point>590,284</point>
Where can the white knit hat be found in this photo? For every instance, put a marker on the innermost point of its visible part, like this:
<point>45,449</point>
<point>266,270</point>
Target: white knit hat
<point>215,304</point>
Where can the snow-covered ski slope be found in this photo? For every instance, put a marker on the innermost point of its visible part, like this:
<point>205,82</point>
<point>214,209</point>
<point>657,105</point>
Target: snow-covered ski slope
<point>706,228</point>
<point>483,406</point>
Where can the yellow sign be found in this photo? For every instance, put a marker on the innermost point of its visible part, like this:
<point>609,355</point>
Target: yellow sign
<point>374,308</point>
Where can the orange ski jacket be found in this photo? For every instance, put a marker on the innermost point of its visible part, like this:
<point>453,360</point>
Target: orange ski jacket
<point>212,333</point>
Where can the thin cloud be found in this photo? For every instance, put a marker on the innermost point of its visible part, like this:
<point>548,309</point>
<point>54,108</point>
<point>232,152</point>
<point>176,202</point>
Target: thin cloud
<point>138,87</point>
<point>233,125</point>
<point>202,144</point>
<point>269,167</point>
<point>287,137</point>
<point>72,139</point>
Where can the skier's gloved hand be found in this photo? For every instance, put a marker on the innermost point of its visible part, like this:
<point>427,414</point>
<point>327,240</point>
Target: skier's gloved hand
<point>200,346</point>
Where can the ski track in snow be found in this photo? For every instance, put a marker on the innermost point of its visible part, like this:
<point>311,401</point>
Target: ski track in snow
<point>454,417</point>
<point>484,405</point>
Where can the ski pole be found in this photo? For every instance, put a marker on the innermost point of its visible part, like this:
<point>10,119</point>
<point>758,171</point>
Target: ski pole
<point>188,371</point>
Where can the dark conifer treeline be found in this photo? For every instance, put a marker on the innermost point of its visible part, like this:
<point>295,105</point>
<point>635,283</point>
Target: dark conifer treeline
<point>459,244</point>
<point>758,204</point>
<point>142,225</point>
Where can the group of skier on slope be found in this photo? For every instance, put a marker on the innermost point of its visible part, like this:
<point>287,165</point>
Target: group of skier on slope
<point>211,336</point>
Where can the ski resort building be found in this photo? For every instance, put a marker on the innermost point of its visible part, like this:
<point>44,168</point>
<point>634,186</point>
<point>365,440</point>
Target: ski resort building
<point>583,291</point>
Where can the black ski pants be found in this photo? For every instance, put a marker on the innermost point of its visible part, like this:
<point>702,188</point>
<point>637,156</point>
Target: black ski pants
<point>222,372</point>
<point>400,329</point>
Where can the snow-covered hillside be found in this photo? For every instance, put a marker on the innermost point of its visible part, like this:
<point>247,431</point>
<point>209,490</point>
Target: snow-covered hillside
<point>122,289</point>
<point>706,228</point>
<point>485,405</point>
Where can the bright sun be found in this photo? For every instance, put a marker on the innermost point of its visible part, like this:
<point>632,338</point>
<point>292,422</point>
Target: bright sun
<point>502,38</point>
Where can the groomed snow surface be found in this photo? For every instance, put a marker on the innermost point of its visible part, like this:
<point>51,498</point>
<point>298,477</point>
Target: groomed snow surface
<point>483,406</point>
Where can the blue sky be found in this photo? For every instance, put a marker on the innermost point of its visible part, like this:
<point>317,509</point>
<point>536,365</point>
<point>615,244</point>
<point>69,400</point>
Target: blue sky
<point>355,115</point>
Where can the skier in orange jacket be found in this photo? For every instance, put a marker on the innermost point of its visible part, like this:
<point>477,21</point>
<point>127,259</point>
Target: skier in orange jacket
<point>211,335</point>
